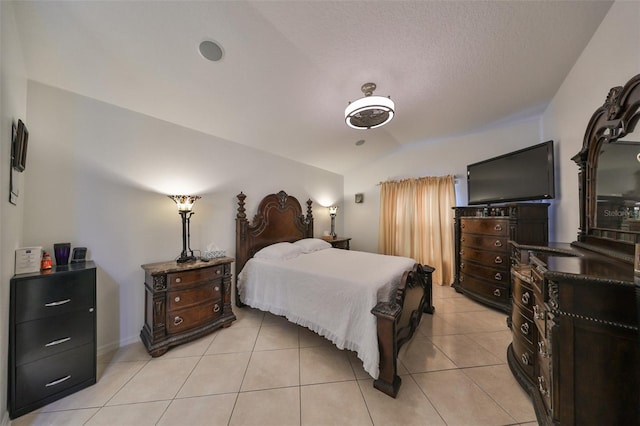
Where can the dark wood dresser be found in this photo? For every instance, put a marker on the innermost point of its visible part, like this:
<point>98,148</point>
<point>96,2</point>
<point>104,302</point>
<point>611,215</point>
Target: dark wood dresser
<point>52,335</point>
<point>575,342</point>
<point>482,251</point>
<point>184,301</point>
<point>574,305</point>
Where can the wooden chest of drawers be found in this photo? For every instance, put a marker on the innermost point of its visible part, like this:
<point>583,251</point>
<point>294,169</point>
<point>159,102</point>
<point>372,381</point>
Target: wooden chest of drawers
<point>52,336</point>
<point>185,301</point>
<point>482,251</point>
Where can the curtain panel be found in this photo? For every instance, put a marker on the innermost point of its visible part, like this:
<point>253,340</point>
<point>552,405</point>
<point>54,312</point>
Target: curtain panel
<point>416,221</point>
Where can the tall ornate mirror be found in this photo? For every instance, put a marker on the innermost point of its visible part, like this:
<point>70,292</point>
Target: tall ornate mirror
<point>609,175</point>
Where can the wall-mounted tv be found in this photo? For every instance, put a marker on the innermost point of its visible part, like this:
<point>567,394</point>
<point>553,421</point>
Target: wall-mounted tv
<point>523,175</point>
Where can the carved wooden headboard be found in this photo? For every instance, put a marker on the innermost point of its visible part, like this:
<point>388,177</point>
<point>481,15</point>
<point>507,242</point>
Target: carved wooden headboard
<point>279,218</point>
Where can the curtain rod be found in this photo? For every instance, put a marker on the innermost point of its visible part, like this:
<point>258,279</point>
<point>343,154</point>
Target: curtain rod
<point>455,179</point>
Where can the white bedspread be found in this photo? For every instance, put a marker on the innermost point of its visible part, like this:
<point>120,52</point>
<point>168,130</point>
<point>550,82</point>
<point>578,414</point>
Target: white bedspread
<point>329,291</point>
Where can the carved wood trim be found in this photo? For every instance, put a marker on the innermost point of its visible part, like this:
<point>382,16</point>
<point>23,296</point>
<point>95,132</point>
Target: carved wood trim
<point>616,118</point>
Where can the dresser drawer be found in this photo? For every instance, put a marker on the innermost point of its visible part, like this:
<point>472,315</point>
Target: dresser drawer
<point>194,296</point>
<point>494,291</point>
<point>489,273</point>
<point>496,243</point>
<point>496,259</point>
<point>48,376</point>
<point>523,295</point>
<point>524,353</point>
<point>195,276</point>
<point>523,327</point>
<point>58,294</point>
<point>48,336</point>
<point>185,319</point>
<point>498,227</point>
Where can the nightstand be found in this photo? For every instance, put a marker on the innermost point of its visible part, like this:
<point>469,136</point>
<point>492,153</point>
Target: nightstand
<point>184,301</point>
<point>338,242</point>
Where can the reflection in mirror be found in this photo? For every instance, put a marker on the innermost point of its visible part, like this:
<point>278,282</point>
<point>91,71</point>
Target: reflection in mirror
<point>618,186</point>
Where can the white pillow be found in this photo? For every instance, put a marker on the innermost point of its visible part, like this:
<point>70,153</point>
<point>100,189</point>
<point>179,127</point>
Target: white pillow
<point>308,245</point>
<point>278,251</point>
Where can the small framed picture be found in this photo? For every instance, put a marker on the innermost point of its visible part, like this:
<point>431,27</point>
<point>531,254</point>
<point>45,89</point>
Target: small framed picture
<point>359,197</point>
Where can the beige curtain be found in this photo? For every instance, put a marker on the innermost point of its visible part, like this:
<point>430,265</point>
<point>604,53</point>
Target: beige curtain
<point>416,221</point>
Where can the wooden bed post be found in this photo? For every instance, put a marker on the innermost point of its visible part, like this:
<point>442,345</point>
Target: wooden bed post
<point>241,246</point>
<point>387,315</point>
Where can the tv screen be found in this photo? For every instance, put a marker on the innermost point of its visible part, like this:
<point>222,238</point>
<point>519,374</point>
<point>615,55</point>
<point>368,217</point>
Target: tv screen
<point>522,175</point>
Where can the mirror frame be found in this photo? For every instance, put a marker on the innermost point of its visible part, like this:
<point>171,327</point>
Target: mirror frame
<point>615,119</point>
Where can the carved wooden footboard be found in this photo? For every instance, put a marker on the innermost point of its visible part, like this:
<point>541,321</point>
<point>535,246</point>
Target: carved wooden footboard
<point>280,219</point>
<point>397,320</point>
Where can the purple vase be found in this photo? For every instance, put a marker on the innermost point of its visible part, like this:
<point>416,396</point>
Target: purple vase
<point>61,252</point>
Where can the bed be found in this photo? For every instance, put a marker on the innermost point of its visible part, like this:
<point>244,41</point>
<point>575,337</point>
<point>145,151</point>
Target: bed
<point>365,302</point>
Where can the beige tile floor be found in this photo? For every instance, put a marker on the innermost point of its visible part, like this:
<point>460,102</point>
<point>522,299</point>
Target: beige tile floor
<point>265,371</point>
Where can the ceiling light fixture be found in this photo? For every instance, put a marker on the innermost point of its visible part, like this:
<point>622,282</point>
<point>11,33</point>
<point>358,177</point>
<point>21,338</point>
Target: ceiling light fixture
<point>369,112</point>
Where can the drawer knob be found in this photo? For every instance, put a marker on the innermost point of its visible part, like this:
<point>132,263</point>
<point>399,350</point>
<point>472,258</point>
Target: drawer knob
<point>216,288</point>
<point>462,239</point>
<point>525,298</point>
<point>57,382</point>
<point>498,243</point>
<point>498,260</point>
<point>498,276</point>
<point>462,266</point>
<point>461,278</point>
<point>177,299</point>
<point>216,308</point>
<point>498,227</point>
<point>218,272</point>
<point>462,252</point>
<point>462,226</point>
<point>177,321</point>
<point>58,303</point>
<point>497,292</point>
<point>525,328</point>
<point>178,280</point>
<point>525,359</point>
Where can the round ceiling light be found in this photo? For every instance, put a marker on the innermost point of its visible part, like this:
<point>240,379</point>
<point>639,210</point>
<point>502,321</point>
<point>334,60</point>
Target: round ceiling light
<point>369,112</point>
<point>210,50</point>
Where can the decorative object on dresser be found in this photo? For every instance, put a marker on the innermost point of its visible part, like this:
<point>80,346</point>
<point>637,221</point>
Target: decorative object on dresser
<point>184,301</point>
<point>482,255</point>
<point>338,242</point>
<point>280,241</point>
<point>578,301</point>
<point>185,207</point>
<point>52,336</point>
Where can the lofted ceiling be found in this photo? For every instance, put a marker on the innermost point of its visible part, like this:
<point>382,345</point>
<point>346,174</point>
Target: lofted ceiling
<point>290,67</point>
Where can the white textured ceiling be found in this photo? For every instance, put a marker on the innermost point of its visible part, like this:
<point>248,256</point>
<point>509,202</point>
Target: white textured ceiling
<point>291,67</point>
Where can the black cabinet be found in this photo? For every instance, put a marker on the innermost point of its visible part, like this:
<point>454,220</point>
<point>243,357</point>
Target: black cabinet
<point>52,336</point>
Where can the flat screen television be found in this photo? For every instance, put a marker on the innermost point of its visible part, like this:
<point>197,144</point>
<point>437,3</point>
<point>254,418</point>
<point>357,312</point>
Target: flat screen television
<point>523,175</point>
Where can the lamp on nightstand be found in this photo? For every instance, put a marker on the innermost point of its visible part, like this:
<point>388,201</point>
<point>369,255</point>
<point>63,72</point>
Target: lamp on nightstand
<point>332,212</point>
<point>185,205</point>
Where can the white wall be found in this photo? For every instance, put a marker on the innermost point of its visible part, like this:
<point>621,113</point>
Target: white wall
<point>99,175</point>
<point>439,158</point>
<point>610,59</point>
<point>13,106</point>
